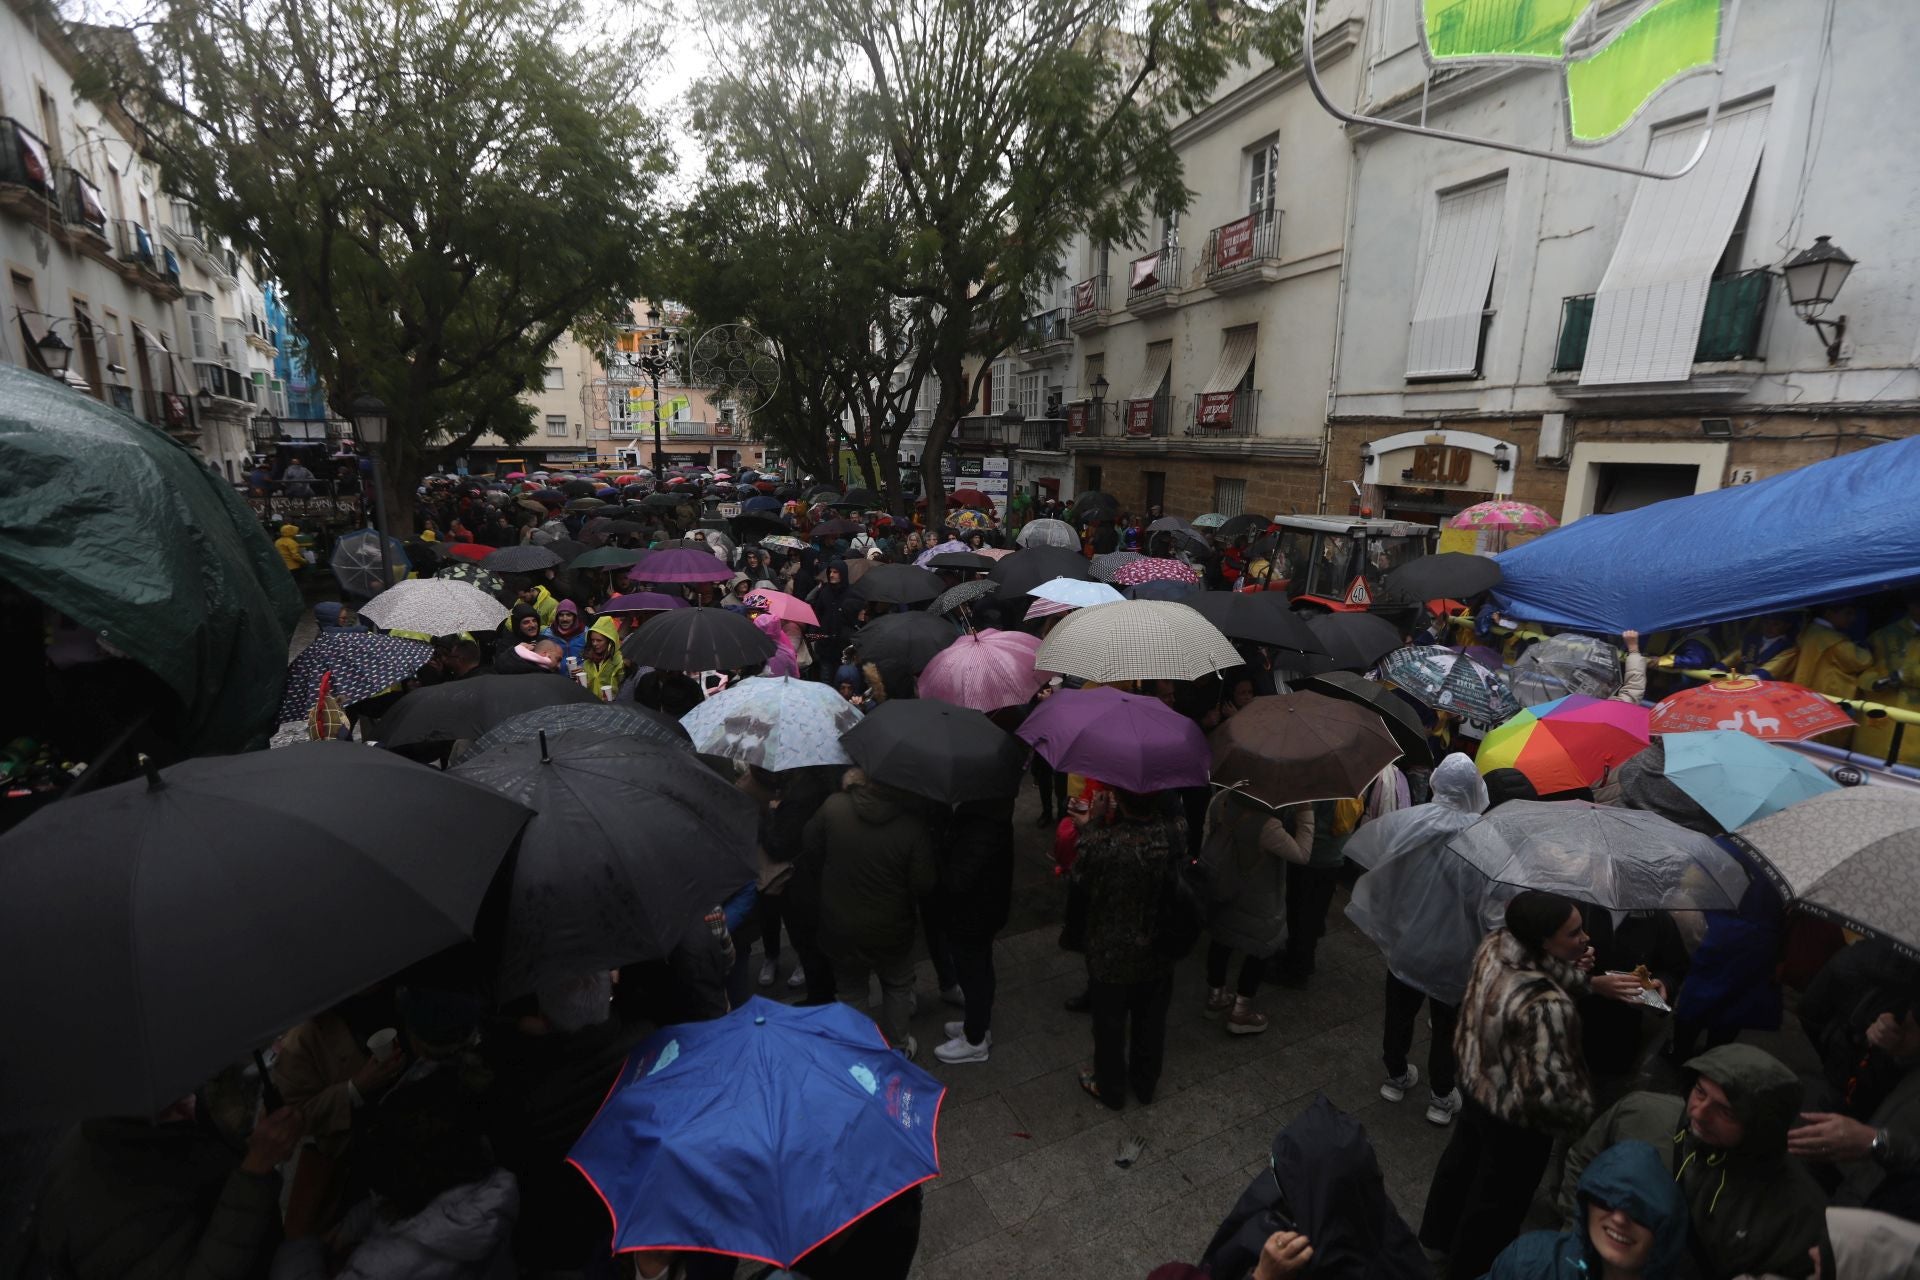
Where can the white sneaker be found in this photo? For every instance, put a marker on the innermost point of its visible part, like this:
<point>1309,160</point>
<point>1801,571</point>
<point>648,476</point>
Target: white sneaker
<point>1396,1086</point>
<point>957,1030</point>
<point>959,1050</point>
<point>1443,1107</point>
<point>768,972</point>
<point>797,979</point>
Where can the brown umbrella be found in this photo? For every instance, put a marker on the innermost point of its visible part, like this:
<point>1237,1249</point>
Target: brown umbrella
<point>1299,747</point>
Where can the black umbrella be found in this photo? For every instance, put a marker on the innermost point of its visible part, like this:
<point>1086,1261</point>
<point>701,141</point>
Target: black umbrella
<point>669,499</point>
<point>836,529</point>
<point>698,640</point>
<point>964,594</point>
<point>1449,574</point>
<point>823,493</point>
<point>1402,721</point>
<point>484,579</point>
<point>360,664</point>
<point>607,558</point>
<point>468,708</point>
<point>787,491</point>
<point>859,498</point>
<point>626,720</point>
<point>935,749</point>
<point>1241,526</point>
<point>567,549</point>
<point>578,488</point>
<point>898,584</point>
<point>749,526</point>
<point>549,497</point>
<point>966,561</point>
<point>1355,641</point>
<point>522,559</point>
<point>1093,502</point>
<point>631,843</point>
<point>909,639</point>
<point>1179,528</point>
<point>169,931</point>
<point>1259,616</point>
<point>1019,573</point>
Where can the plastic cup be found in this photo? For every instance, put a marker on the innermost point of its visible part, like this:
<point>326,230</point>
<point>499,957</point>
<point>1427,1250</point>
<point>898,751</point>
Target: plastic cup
<point>383,1043</point>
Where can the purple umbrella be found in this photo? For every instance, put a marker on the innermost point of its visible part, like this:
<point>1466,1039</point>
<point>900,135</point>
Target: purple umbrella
<point>1122,739</point>
<point>642,602</point>
<point>679,564</point>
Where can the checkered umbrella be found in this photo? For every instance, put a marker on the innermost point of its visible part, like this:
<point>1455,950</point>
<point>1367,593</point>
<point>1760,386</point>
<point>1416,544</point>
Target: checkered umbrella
<point>434,607</point>
<point>1108,563</point>
<point>1136,640</point>
<point>1153,569</point>
<point>362,662</point>
<point>1449,681</point>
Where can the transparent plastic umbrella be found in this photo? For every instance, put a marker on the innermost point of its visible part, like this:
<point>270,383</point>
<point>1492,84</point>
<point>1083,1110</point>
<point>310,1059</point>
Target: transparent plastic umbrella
<point>1621,859</point>
<point>1565,664</point>
<point>356,563</point>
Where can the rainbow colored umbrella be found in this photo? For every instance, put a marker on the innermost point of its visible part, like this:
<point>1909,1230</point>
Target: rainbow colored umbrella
<point>1570,742</point>
<point>1503,513</point>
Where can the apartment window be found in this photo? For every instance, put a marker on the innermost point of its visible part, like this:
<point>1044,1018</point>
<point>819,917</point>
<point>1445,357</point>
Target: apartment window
<point>1102,260</point>
<point>110,339</point>
<point>202,328</point>
<point>1000,386</point>
<point>1156,491</point>
<point>1263,179</point>
<point>86,341</point>
<point>1091,371</point>
<point>556,424</point>
<point>1033,393</point>
<point>50,127</point>
<point>1229,496</point>
<point>554,379</point>
<point>1170,229</point>
<point>29,325</point>
<point>1450,313</point>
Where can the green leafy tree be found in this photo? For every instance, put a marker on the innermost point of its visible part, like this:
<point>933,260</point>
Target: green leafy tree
<point>443,187</point>
<point>1000,130</point>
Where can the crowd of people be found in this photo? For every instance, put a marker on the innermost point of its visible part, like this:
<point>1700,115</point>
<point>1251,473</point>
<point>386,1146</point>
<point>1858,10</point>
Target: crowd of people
<point>421,1128</point>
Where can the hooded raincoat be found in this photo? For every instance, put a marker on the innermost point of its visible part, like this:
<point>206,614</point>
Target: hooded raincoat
<point>1752,1210</point>
<point>1628,1176</point>
<point>572,642</point>
<point>1427,909</point>
<point>608,673</point>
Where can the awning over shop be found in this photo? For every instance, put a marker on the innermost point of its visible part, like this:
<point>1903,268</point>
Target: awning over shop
<point>1646,317</point>
<point>1445,337</point>
<point>1839,528</point>
<point>1236,357</point>
<point>1153,372</point>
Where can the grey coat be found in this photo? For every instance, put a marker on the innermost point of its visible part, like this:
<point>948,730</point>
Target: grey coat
<point>1246,854</point>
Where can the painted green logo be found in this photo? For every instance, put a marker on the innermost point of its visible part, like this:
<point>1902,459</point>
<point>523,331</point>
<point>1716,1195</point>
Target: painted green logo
<point>1605,86</point>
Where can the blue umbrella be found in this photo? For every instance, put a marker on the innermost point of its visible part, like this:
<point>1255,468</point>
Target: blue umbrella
<point>775,722</point>
<point>761,1134</point>
<point>1737,777</point>
<point>765,502</point>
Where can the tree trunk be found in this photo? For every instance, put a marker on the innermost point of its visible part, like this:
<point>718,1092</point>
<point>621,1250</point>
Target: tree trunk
<point>949,366</point>
<point>890,490</point>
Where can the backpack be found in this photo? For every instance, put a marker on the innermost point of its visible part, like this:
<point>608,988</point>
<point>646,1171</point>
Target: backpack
<point>1181,913</point>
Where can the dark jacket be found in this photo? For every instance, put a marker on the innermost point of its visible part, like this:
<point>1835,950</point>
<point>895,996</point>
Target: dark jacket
<point>127,1199</point>
<point>1247,852</point>
<point>1611,1029</point>
<point>1628,1176</point>
<point>1122,870</point>
<point>976,870</point>
<point>1752,1210</point>
<point>1324,1180</point>
<point>875,857</point>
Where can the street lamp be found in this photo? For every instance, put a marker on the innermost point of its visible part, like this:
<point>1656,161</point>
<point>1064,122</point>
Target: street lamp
<point>1814,276</point>
<point>1099,389</point>
<point>656,358</point>
<point>56,354</point>
<point>370,428</point>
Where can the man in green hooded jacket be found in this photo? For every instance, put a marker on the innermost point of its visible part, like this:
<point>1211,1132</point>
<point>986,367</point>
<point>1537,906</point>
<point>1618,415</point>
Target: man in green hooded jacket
<point>1751,1209</point>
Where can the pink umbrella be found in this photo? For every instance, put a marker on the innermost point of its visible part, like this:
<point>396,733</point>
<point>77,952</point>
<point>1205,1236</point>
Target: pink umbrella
<point>1153,569</point>
<point>992,553</point>
<point>1503,513</point>
<point>787,608</point>
<point>1045,609</point>
<point>986,671</point>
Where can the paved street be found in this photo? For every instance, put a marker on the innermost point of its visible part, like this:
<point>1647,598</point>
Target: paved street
<point>1030,1188</point>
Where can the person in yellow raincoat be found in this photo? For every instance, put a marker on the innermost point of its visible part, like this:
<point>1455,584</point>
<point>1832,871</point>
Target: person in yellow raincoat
<point>1893,680</point>
<point>1830,663</point>
<point>289,549</point>
<point>602,664</point>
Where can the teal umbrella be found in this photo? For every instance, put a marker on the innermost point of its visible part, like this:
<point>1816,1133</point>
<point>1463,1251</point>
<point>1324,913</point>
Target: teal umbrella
<point>121,528</point>
<point>1739,778</point>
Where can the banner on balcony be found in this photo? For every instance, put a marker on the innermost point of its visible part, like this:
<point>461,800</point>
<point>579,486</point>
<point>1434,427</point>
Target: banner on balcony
<point>1215,409</point>
<point>1233,243</point>
<point>33,159</point>
<point>1146,271</point>
<point>92,212</point>
<point>1076,419</point>
<point>174,407</point>
<point>1139,417</point>
<point>1083,296</point>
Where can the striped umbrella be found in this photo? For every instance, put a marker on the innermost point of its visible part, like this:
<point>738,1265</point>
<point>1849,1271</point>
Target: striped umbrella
<point>1570,742</point>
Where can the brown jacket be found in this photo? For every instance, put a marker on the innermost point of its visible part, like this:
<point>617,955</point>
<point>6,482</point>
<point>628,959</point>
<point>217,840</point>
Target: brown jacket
<point>1518,1038</point>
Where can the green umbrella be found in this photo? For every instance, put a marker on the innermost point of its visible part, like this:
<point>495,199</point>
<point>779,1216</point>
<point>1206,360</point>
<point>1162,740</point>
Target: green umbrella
<point>607,558</point>
<point>113,523</point>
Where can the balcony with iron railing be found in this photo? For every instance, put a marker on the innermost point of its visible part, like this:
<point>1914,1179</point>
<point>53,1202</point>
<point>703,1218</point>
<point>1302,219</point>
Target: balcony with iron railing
<point>1046,435</point>
<point>1089,305</point>
<point>985,431</point>
<point>81,206</point>
<point>1047,333</point>
<point>1152,290</point>
<point>1244,252</point>
<point>1730,328</point>
<point>27,177</point>
<point>1225,415</point>
<point>637,428</point>
<point>1148,419</point>
<point>224,381</point>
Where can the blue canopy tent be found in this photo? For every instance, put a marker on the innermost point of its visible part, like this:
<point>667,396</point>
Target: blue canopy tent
<point>1844,527</point>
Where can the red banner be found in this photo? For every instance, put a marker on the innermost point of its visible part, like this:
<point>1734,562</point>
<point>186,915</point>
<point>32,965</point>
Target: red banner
<point>175,408</point>
<point>1139,417</point>
<point>1215,409</point>
<point>1083,297</point>
<point>1076,419</point>
<point>1233,243</point>
<point>1145,271</point>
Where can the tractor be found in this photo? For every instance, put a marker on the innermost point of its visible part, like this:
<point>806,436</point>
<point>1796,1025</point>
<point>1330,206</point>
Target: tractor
<point>1333,564</point>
